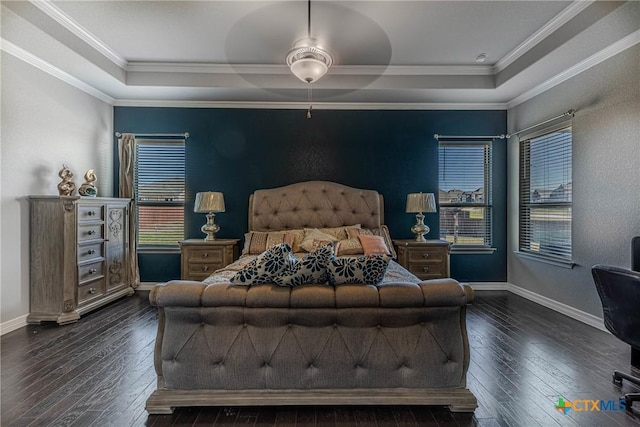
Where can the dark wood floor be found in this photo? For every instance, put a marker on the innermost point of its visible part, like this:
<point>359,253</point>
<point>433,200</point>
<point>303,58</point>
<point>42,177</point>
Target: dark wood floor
<point>99,372</point>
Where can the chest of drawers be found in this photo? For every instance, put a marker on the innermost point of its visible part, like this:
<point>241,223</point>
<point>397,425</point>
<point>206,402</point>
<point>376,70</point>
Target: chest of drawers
<point>79,255</point>
<point>201,257</point>
<point>427,260</point>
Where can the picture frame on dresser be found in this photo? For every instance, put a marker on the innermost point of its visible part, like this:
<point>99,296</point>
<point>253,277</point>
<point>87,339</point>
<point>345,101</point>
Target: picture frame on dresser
<point>79,255</point>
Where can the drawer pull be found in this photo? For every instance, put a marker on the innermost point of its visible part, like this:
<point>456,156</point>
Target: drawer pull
<point>205,268</point>
<point>425,255</point>
<point>91,213</point>
<point>205,255</point>
<point>92,290</point>
<point>91,232</point>
<point>91,251</point>
<point>425,269</point>
<point>93,271</point>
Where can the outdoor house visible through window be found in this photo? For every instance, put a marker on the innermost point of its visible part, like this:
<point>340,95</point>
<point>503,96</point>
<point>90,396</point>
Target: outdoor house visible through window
<point>160,193</point>
<point>465,193</point>
<point>545,193</point>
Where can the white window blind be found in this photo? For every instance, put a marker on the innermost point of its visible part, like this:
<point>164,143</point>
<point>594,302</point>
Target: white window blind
<point>160,193</point>
<point>465,192</point>
<point>545,194</point>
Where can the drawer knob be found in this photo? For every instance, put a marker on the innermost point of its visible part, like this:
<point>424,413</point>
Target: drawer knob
<point>425,269</point>
<point>205,268</point>
<point>92,290</point>
<point>91,232</point>
<point>206,254</point>
<point>93,271</point>
<point>425,255</point>
<point>91,213</point>
<point>91,251</point>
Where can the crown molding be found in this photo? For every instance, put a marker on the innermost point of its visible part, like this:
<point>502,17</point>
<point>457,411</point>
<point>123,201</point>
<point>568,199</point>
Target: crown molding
<point>595,59</point>
<point>545,31</point>
<point>54,71</point>
<point>305,106</point>
<point>67,22</point>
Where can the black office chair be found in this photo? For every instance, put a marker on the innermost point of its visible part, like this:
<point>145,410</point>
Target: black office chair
<point>619,291</point>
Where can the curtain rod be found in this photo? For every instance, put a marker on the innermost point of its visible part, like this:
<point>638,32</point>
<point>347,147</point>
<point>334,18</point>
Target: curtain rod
<point>439,137</point>
<point>184,134</point>
<point>565,114</point>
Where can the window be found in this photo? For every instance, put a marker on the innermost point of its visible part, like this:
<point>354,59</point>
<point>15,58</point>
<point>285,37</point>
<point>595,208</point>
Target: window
<point>465,193</point>
<point>159,188</point>
<point>545,194</point>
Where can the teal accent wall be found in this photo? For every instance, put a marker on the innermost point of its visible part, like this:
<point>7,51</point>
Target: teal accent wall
<point>237,151</point>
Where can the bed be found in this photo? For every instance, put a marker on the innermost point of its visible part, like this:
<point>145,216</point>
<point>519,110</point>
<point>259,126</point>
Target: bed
<point>403,341</point>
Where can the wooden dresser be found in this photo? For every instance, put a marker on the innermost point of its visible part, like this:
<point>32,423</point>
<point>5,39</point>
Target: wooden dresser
<point>79,255</point>
<point>202,257</point>
<point>427,260</point>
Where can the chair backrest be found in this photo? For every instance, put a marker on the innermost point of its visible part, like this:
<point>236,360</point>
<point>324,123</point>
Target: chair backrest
<point>619,291</point>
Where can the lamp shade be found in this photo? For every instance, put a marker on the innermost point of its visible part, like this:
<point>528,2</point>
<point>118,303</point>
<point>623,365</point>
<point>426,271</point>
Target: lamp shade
<point>209,201</point>
<point>421,202</point>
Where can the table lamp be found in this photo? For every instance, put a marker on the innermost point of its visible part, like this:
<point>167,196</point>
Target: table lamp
<point>418,203</point>
<point>209,202</point>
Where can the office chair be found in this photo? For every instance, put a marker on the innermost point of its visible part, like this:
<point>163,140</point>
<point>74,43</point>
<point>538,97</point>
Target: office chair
<point>619,291</point>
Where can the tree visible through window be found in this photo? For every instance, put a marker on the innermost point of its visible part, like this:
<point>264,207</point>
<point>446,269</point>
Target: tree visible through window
<point>545,194</point>
<point>160,193</point>
<point>465,192</point>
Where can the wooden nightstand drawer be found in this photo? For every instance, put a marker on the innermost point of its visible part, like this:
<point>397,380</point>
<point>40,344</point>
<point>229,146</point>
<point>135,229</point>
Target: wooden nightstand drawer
<point>205,255</point>
<point>425,271</point>
<point>200,257</point>
<point>428,254</point>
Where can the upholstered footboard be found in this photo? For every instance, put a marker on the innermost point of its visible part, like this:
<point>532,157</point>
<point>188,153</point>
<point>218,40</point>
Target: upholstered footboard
<point>312,345</point>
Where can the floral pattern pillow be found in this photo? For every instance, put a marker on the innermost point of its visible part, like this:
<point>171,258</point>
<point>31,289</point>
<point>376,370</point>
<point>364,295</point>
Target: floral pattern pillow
<point>312,268</point>
<point>367,269</point>
<point>266,266</point>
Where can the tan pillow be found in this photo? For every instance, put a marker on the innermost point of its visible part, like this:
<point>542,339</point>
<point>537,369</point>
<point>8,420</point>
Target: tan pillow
<point>373,245</point>
<point>382,231</point>
<point>340,233</point>
<point>256,242</point>
<point>349,247</point>
<point>314,238</point>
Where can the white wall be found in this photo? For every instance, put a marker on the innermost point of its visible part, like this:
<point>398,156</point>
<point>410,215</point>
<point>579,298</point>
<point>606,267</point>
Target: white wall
<point>44,123</point>
<point>606,177</point>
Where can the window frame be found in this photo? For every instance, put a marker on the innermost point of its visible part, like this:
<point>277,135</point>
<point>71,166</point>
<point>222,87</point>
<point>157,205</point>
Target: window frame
<point>158,248</point>
<point>487,204</point>
<point>544,256</point>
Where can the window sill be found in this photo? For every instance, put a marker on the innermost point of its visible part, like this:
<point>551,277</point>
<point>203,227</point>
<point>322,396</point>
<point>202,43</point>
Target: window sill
<point>471,250</point>
<point>546,260</point>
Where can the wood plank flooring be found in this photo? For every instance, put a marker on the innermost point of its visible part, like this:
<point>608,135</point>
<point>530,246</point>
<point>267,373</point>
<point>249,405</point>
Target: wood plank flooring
<point>99,372</point>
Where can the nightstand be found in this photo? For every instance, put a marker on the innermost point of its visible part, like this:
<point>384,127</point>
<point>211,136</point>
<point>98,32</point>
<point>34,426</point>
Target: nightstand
<point>201,257</point>
<point>427,260</point>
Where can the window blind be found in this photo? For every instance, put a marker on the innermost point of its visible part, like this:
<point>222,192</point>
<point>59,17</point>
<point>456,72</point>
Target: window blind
<point>546,194</point>
<point>159,180</point>
<point>465,192</point>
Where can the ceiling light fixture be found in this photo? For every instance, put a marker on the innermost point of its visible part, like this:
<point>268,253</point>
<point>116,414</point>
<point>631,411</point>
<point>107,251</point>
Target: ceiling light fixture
<point>307,60</point>
<point>481,58</point>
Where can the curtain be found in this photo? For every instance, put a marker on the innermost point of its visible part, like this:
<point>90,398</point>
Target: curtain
<point>126,155</point>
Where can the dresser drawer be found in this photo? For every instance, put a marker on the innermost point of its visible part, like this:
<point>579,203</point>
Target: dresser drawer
<point>214,255</point>
<point>428,270</point>
<point>91,291</point>
<point>90,232</point>
<point>90,213</point>
<point>89,272</point>
<point>427,254</point>
<point>90,252</point>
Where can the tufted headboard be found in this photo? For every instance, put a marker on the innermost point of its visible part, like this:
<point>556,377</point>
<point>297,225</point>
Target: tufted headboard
<point>316,204</point>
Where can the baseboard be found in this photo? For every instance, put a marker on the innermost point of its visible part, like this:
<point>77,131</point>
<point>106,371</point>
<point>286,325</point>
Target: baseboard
<point>13,324</point>
<point>489,286</point>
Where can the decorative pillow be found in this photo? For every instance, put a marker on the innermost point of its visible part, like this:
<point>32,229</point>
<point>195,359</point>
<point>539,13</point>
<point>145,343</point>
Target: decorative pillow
<point>367,269</point>
<point>312,268</point>
<point>314,238</point>
<point>373,245</point>
<point>256,242</point>
<point>266,266</point>
<point>382,231</point>
<point>340,233</point>
<point>350,246</point>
